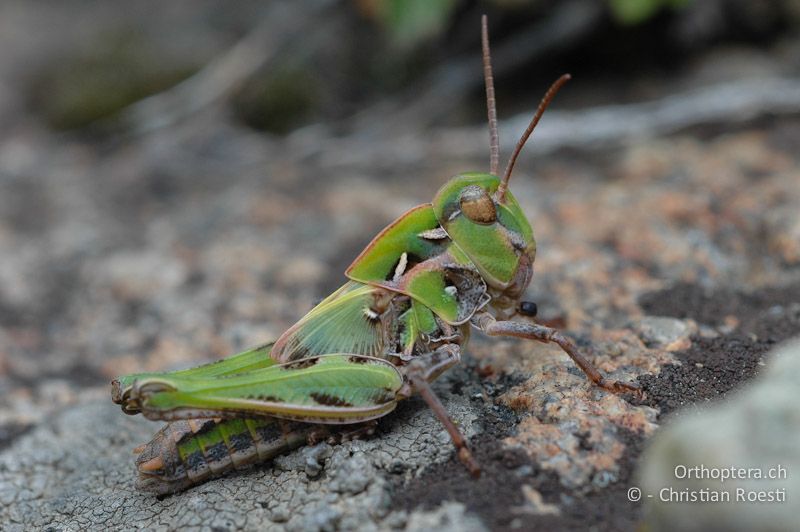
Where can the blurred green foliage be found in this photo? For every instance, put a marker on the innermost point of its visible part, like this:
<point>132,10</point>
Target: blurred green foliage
<point>637,11</point>
<point>412,21</point>
<point>279,100</point>
<point>86,86</point>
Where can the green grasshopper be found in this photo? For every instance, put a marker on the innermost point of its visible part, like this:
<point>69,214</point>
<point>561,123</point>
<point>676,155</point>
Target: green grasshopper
<point>402,319</point>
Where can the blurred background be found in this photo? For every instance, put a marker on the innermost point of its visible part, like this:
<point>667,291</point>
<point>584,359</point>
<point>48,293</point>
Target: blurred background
<point>181,180</point>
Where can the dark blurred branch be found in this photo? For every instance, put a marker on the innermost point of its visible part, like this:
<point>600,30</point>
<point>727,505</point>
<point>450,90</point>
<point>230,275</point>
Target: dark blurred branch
<point>723,104</point>
<point>726,103</point>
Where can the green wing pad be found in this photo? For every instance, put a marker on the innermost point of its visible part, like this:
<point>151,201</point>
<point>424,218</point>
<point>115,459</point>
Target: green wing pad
<point>416,323</point>
<point>494,248</point>
<point>428,287</point>
<point>412,258</point>
<point>339,388</point>
<point>452,290</point>
<point>409,330</point>
<point>426,322</point>
<point>342,323</point>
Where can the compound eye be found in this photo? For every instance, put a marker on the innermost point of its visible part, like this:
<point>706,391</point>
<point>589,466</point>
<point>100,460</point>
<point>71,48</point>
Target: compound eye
<point>477,205</point>
<point>528,308</point>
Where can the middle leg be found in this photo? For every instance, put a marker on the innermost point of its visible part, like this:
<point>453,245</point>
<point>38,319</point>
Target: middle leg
<point>420,373</point>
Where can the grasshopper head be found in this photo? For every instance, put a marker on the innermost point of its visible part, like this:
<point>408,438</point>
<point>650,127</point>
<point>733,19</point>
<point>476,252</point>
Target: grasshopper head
<point>494,234</point>
<point>481,215</point>
<point>479,212</point>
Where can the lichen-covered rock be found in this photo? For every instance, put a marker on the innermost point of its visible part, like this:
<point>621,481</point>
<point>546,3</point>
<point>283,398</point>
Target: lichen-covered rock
<point>573,428</point>
<point>76,472</point>
<point>749,438</point>
<point>450,517</point>
<point>668,333</point>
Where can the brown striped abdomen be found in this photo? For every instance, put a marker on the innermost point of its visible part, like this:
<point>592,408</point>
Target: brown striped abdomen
<point>185,453</point>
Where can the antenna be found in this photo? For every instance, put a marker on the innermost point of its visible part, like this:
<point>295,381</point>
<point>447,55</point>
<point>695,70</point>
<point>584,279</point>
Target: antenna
<point>494,139</point>
<point>548,96</point>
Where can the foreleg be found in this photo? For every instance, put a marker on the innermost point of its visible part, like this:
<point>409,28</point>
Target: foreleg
<point>534,331</point>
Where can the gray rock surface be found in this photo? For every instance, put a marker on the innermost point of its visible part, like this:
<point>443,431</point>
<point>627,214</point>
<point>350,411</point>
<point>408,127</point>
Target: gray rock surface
<point>76,472</point>
<point>198,240</point>
<point>757,432</point>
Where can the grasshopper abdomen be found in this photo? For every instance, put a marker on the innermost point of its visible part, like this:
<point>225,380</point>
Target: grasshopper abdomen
<point>187,453</point>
